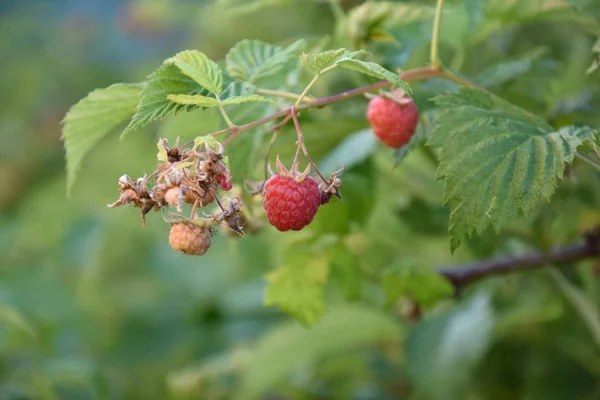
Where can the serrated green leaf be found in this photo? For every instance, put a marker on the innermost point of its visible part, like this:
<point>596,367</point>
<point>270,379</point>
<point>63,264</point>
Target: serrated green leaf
<point>375,70</point>
<point>443,352</point>
<point>154,105</point>
<point>417,280</point>
<point>200,68</point>
<point>92,118</point>
<point>298,289</point>
<point>317,62</point>
<point>250,60</point>
<point>290,346</point>
<point>497,159</point>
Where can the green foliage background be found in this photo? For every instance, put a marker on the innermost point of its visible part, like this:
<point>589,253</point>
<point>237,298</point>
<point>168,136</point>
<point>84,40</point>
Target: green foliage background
<point>93,306</point>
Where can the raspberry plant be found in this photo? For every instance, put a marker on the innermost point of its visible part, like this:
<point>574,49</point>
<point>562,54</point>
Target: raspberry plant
<point>500,156</point>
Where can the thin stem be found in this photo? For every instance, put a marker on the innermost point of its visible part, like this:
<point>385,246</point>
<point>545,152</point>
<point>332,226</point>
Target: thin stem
<point>302,146</point>
<point>224,113</point>
<point>306,89</point>
<point>451,76</point>
<point>269,148</point>
<point>589,161</point>
<point>312,83</point>
<point>287,95</point>
<point>435,62</point>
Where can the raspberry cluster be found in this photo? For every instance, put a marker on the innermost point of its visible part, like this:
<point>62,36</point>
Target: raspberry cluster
<point>193,175</point>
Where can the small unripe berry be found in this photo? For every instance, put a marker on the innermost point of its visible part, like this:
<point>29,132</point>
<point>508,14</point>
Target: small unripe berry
<point>189,239</point>
<point>393,122</point>
<point>291,205</point>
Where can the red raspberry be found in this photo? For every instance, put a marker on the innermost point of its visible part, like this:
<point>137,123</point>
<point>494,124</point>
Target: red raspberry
<point>189,239</point>
<point>290,204</point>
<point>393,122</point>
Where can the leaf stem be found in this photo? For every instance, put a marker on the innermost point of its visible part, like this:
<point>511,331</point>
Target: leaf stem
<point>224,113</point>
<point>302,145</point>
<point>435,62</point>
<point>589,161</point>
<point>287,95</point>
<point>311,84</point>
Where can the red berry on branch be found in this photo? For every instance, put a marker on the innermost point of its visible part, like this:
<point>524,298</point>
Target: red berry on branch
<point>291,205</point>
<point>393,122</point>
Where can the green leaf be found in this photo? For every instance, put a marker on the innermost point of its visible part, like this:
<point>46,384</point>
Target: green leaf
<point>417,280</point>
<point>353,150</point>
<point>316,62</point>
<point>200,68</point>
<point>154,104</point>
<point>290,346</point>
<point>298,288</point>
<point>375,70</point>
<point>250,60</point>
<point>92,118</point>
<point>497,159</point>
<point>9,316</point>
<point>443,352</point>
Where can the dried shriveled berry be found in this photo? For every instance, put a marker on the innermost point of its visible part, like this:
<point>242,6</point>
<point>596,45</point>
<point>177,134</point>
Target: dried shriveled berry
<point>189,239</point>
<point>291,205</point>
<point>393,122</point>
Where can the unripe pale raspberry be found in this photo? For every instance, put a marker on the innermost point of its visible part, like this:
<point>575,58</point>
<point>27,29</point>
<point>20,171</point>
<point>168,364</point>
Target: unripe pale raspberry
<point>189,239</point>
<point>393,123</point>
<point>172,196</point>
<point>291,205</point>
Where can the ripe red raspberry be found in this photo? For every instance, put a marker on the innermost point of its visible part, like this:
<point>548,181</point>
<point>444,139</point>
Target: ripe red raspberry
<point>290,204</point>
<point>189,239</point>
<point>393,122</point>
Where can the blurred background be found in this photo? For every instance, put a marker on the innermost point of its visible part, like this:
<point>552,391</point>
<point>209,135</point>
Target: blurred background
<point>93,306</point>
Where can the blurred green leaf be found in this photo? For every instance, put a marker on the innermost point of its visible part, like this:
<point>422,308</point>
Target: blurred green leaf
<point>442,352</point>
<point>506,71</point>
<point>250,60</point>
<point>416,280</point>
<point>298,288</point>
<point>596,62</point>
<point>353,150</point>
<point>200,68</point>
<point>92,118</point>
<point>369,21</point>
<point>289,346</point>
<point>497,160</point>
<point>589,312</point>
<point>11,317</point>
